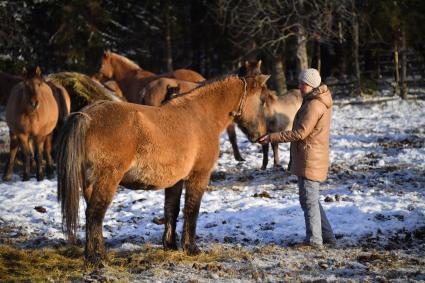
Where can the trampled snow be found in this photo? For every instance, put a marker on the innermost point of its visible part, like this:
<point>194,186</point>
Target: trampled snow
<point>378,173</point>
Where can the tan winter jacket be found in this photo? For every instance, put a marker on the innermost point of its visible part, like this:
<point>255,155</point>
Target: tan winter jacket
<point>309,136</point>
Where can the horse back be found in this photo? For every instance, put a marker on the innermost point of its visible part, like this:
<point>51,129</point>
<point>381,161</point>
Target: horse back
<point>155,93</point>
<point>188,75</point>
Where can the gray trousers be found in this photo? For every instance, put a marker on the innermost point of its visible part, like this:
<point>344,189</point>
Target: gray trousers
<point>318,229</point>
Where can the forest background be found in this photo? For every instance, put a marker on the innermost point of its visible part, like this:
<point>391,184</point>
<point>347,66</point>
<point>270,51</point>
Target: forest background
<point>361,45</point>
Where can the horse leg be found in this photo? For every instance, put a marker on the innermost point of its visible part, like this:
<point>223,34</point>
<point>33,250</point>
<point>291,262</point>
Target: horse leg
<point>39,148</point>
<point>49,160</point>
<point>275,147</point>
<point>26,148</point>
<point>99,199</point>
<point>14,145</point>
<point>171,212</point>
<point>265,156</point>
<point>32,163</point>
<point>195,186</point>
<point>231,132</point>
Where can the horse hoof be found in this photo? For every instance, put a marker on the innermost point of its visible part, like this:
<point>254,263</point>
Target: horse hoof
<point>25,178</point>
<point>240,159</point>
<point>50,174</point>
<point>7,178</point>
<point>94,264</point>
<point>263,167</point>
<point>170,246</point>
<point>192,250</point>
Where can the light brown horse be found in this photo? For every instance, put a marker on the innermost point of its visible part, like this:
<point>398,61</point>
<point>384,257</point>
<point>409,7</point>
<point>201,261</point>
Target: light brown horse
<point>108,84</point>
<point>32,113</point>
<point>280,113</point>
<point>113,86</point>
<point>131,78</point>
<point>250,68</point>
<point>151,148</point>
<point>7,82</point>
<point>155,92</point>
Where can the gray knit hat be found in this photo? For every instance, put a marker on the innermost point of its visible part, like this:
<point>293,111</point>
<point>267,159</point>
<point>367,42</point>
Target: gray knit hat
<point>310,77</point>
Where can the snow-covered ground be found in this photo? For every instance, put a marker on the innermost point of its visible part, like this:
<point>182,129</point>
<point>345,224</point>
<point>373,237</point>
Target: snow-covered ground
<point>376,189</point>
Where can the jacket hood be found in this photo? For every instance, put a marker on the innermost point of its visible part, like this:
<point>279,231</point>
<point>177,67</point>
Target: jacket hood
<point>322,94</point>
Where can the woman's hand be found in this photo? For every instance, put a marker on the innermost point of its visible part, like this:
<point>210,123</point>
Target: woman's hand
<point>264,139</point>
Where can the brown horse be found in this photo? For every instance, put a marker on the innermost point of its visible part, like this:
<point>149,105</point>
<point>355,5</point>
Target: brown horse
<point>7,82</point>
<point>250,68</point>
<point>113,86</point>
<point>151,148</point>
<point>155,92</point>
<point>280,113</point>
<point>131,78</point>
<point>32,112</point>
<point>108,84</point>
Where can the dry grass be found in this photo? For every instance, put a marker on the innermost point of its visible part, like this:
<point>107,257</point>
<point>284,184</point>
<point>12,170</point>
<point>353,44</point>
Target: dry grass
<point>67,264</point>
<point>150,256</point>
<point>82,89</point>
<point>40,265</point>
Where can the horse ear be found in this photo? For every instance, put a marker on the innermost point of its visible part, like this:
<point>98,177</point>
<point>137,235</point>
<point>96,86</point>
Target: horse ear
<point>262,79</point>
<point>38,71</point>
<point>259,64</point>
<point>106,53</point>
<point>246,64</point>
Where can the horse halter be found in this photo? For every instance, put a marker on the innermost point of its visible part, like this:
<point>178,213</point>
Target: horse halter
<point>241,105</point>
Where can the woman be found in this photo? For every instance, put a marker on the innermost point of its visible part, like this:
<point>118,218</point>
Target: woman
<point>309,161</point>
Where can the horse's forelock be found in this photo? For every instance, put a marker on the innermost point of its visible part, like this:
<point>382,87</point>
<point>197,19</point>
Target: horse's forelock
<point>29,85</point>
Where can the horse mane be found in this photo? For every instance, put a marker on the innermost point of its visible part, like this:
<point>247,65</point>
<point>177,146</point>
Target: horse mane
<point>204,87</point>
<point>124,59</point>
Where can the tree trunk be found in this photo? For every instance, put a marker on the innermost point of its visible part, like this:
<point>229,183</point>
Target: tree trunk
<point>302,57</point>
<point>355,35</point>
<point>396,70</point>
<point>317,58</point>
<point>168,56</point>
<point>340,55</point>
<point>301,53</point>
<point>279,73</point>
<point>195,29</point>
<point>403,54</point>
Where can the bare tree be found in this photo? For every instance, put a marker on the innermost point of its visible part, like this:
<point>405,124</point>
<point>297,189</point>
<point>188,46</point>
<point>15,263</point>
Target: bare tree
<point>269,23</point>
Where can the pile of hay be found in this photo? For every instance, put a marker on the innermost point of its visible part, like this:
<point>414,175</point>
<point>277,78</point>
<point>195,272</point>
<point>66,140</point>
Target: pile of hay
<point>82,89</point>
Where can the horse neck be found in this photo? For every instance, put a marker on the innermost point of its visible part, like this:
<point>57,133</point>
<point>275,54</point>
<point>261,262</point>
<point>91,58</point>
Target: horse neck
<point>219,100</point>
<point>122,69</point>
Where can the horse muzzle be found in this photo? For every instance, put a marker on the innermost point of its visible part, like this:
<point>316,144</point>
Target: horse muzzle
<point>254,137</point>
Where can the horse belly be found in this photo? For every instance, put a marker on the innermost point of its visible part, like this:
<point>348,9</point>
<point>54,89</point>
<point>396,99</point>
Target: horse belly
<point>150,177</point>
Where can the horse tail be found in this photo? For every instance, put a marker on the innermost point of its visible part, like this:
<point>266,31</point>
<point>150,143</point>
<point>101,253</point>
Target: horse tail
<point>70,163</point>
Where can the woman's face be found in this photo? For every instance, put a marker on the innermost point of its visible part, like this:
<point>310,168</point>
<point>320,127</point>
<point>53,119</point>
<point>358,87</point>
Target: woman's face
<point>304,88</point>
